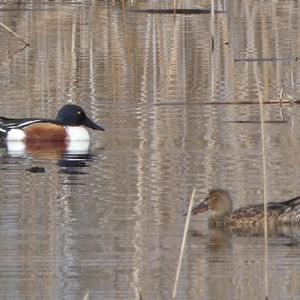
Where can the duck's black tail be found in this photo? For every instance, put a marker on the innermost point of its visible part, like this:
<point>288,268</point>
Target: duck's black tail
<point>292,202</point>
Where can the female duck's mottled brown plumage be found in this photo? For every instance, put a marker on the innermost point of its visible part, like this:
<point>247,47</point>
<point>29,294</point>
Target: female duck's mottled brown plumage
<point>222,215</point>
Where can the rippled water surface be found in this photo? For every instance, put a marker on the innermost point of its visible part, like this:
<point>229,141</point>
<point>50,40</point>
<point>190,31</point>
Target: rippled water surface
<point>105,221</point>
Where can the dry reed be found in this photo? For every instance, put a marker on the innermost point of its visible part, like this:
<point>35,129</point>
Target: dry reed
<point>187,222</point>
<point>14,34</point>
<point>262,127</point>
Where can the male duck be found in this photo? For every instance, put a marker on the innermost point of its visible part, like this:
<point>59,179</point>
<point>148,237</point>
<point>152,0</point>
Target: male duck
<point>249,217</point>
<point>66,126</point>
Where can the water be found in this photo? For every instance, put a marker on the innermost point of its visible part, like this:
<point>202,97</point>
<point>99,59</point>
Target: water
<point>107,222</point>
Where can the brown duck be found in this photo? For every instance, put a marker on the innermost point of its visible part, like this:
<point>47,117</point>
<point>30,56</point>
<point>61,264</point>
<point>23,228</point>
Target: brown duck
<point>250,217</point>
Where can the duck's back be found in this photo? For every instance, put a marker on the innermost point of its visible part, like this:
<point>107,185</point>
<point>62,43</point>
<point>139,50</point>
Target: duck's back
<point>287,212</point>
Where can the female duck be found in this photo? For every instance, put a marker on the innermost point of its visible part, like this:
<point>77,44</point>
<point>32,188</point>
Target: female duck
<point>222,215</point>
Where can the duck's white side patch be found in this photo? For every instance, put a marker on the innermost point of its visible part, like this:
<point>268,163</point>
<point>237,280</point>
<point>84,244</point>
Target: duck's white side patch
<point>15,135</point>
<point>77,133</point>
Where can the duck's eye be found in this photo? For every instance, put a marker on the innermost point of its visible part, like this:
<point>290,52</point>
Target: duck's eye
<point>79,113</point>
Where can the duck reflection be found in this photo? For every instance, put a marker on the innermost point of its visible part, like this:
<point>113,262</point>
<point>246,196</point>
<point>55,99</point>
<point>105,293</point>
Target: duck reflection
<point>217,240</point>
<point>74,163</point>
<point>71,156</point>
<point>47,149</point>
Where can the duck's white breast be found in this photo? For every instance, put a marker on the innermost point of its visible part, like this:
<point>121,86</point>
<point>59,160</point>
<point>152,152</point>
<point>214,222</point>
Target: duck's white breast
<point>77,133</point>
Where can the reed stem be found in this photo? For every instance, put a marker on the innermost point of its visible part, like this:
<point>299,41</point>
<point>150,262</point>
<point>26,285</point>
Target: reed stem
<point>187,222</point>
<point>14,34</point>
<point>212,11</point>
<point>265,196</point>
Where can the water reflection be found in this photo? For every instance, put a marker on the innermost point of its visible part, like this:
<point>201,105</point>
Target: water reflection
<point>47,149</point>
<point>71,156</point>
<point>74,163</point>
<point>234,264</point>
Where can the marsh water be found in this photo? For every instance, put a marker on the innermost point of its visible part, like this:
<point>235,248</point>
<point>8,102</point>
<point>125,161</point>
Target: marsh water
<point>106,221</point>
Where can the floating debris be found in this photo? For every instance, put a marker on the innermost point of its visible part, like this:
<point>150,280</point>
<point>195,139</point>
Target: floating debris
<point>179,11</point>
<point>36,170</point>
<point>266,59</point>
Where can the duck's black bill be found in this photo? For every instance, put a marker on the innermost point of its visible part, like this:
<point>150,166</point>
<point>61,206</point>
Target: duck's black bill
<point>202,207</point>
<point>89,123</point>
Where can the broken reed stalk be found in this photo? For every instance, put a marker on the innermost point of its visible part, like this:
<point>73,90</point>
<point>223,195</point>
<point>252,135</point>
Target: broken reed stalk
<point>187,222</point>
<point>280,104</point>
<point>86,296</point>
<point>174,7</point>
<point>271,102</point>
<point>212,11</point>
<point>14,34</point>
<point>265,195</point>
<point>123,5</point>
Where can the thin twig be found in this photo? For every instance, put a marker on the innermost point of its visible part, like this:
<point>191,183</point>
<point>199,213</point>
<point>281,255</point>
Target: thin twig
<point>212,25</point>
<point>187,222</point>
<point>269,102</point>
<point>280,104</point>
<point>292,80</point>
<point>14,34</point>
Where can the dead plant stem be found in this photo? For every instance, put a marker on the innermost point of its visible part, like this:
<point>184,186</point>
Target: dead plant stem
<point>187,222</point>
<point>14,34</point>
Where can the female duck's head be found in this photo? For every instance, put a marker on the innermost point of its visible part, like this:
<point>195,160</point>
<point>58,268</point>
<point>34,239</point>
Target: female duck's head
<point>217,201</point>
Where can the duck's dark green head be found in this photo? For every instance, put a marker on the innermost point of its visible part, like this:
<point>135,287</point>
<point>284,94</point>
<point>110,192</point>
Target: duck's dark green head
<point>74,115</point>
